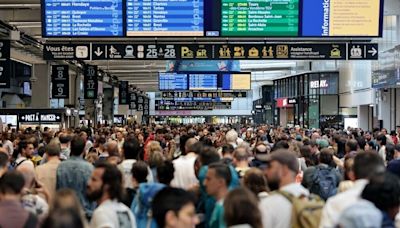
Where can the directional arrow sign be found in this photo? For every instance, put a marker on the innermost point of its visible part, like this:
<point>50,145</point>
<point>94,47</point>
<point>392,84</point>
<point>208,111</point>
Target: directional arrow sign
<point>98,52</point>
<point>373,51</point>
<point>362,51</point>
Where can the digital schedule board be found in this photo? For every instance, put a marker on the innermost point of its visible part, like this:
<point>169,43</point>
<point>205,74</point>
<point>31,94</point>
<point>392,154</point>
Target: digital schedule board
<point>172,81</point>
<point>212,18</point>
<point>82,18</point>
<point>203,82</point>
<point>236,81</point>
<point>165,18</point>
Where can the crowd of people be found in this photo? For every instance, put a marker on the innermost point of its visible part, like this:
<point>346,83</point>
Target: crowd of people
<point>199,175</point>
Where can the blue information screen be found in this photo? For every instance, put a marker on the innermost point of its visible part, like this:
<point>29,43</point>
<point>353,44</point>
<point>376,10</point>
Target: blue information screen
<point>165,17</point>
<point>69,18</point>
<point>172,81</point>
<point>203,82</point>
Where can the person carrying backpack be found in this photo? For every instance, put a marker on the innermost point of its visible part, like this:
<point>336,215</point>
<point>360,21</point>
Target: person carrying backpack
<point>323,179</point>
<point>291,205</point>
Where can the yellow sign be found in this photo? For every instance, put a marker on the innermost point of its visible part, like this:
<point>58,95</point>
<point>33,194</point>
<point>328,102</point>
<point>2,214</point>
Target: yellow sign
<point>238,52</point>
<point>268,52</point>
<point>254,53</point>
<point>335,53</point>
<point>201,53</point>
<point>225,52</point>
<point>186,52</point>
<point>282,51</point>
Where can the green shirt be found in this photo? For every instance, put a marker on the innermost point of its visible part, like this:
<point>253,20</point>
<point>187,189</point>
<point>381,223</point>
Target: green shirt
<point>217,217</point>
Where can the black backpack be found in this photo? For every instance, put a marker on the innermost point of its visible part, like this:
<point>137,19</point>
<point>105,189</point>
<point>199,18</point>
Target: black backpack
<point>325,182</point>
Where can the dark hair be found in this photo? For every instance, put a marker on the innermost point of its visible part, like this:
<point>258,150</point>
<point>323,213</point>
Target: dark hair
<point>3,160</point>
<point>182,143</point>
<point>131,148</point>
<point>241,207</point>
<point>208,155</point>
<point>389,152</point>
<point>254,179</point>
<point>281,145</point>
<point>23,144</point>
<point>12,182</point>
<point>53,149</point>
<point>113,178</point>
<point>361,142</point>
<point>382,138</point>
<point>170,199</point>
<point>62,218</point>
<point>367,164</point>
<point>77,146</point>
<point>222,171</point>
<point>197,147</point>
<point>305,152</point>
<point>326,157</point>
<point>341,147</point>
<point>140,171</point>
<point>383,191</point>
<point>227,148</point>
<point>352,144</point>
<point>165,172</point>
<point>101,140</point>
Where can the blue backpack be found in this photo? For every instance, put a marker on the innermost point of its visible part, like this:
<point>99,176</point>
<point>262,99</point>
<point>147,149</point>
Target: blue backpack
<point>325,182</point>
<point>141,205</point>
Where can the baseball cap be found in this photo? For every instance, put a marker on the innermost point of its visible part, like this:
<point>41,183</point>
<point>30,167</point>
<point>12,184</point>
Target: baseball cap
<point>284,157</point>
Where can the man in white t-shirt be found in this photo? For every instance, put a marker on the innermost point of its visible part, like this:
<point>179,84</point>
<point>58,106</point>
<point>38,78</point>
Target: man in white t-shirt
<point>105,187</point>
<point>184,176</point>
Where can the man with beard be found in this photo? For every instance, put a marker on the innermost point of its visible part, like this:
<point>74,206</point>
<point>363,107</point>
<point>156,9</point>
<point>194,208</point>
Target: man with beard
<point>25,154</point>
<point>281,172</point>
<point>105,187</point>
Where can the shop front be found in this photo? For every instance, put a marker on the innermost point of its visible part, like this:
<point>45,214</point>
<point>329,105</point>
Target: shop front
<point>305,100</point>
<point>55,119</point>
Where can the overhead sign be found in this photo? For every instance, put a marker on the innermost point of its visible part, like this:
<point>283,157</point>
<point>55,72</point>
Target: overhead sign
<point>91,82</point>
<point>267,51</point>
<point>132,100</point>
<point>319,84</point>
<point>123,98</point>
<point>40,117</point>
<point>60,82</point>
<point>146,106</point>
<point>66,51</point>
<point>72,18</point>
<point>140,103</point>
<point>5,64</point>
<point>359,51</point>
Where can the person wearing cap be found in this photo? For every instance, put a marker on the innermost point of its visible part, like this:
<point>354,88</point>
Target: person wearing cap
<point>281,172</point>
<point>394,165</point>
<point>261,151</point>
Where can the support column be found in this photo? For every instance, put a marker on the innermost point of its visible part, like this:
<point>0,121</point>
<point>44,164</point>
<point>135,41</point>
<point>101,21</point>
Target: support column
<point>40,86</point>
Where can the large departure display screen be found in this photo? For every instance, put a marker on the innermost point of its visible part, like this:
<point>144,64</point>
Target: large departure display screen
<point>203,82</point>
<point>173,81</point>
<point>212,18</point>
<point>236,81</point>
<point>81,18</point>
<point>260,17</point>
<point>165,18</point>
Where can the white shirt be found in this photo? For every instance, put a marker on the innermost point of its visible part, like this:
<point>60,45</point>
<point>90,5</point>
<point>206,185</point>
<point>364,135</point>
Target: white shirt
<point>276,210</point>
<point>24,162</point>
<point>337,204</point>
<point>112,214</point>
<point>125,167</point>
<point>184,175</point>
<point>9,147</point>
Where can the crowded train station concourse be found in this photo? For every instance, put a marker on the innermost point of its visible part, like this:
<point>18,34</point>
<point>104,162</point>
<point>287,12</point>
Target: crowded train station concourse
<point>199,113</point>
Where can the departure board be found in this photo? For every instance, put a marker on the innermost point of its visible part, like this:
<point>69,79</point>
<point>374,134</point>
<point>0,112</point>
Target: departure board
<point>260,18</point>
<point>69,18</point>
<point>203,82</point>
<point>236,81</point>
<point>172,81</point>
<point>165,17</point>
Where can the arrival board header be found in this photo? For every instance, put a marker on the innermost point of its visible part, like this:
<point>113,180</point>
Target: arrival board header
<point>212,18</point>
<point>270,51</point>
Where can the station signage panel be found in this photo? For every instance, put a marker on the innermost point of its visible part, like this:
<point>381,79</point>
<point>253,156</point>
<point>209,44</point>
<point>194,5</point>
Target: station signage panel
<point>91,82</point>
<point>60,81</point>
<point>140,103</point>
<point>80,18</point>
<point>267,51</point>
<point>5,64</point>
<point>132,100</point>
<point>123,93</point>
<point>146,106</point>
